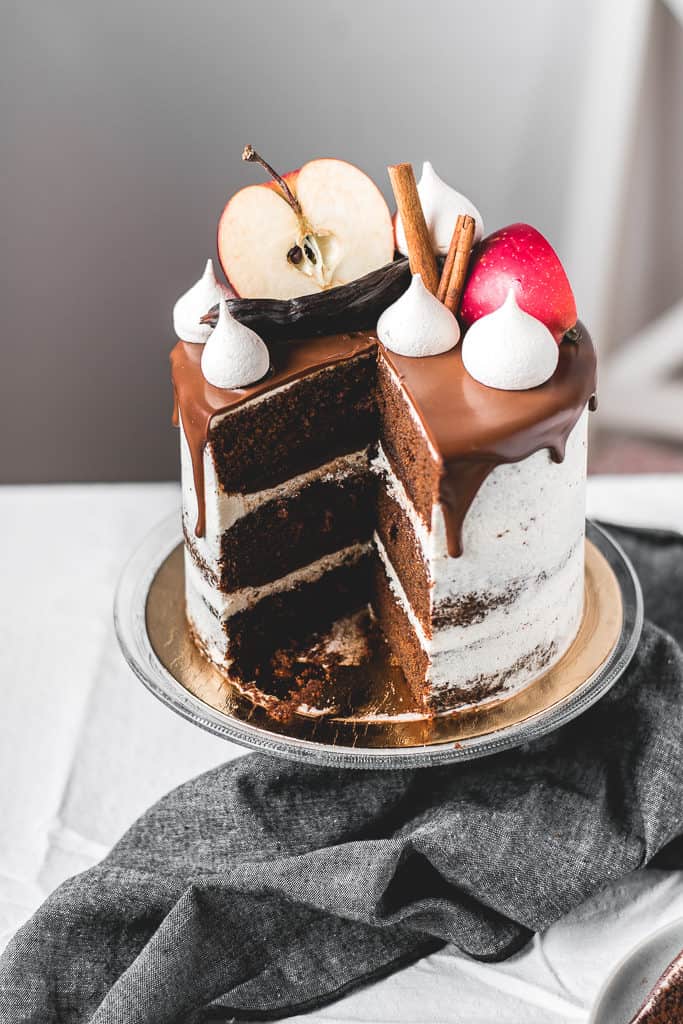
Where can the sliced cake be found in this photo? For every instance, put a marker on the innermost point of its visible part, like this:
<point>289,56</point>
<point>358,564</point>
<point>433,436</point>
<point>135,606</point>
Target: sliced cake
<point>439,484</point>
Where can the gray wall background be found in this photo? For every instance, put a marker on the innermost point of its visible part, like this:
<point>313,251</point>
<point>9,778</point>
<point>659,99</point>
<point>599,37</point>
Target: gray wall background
<point>122,127</point>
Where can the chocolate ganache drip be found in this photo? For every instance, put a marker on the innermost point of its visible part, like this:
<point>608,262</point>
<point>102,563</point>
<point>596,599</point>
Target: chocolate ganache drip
<point>199,402</point>
<point>471,428</point>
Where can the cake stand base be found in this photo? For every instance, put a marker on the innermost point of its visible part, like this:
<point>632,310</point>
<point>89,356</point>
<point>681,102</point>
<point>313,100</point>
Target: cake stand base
<point>383,729</point>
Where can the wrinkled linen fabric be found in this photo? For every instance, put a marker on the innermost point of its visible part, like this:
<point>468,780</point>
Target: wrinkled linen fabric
<point>264,888</point>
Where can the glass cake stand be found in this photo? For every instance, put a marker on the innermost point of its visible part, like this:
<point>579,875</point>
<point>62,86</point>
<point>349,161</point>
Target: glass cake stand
<point>384,730</point>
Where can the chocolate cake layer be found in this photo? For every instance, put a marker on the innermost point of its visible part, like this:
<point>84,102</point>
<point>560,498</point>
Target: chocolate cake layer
<point>199,404</point>
<point>403,548</point>
<point>473,429</point>
<point>255,634</point>
<point>400,634</point>
<point>293,430</point>
<point>405,445</point>
<point>289,532</point>
<point>468,467</point>
<point>470,429</point>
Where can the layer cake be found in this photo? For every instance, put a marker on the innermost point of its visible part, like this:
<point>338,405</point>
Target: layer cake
<point>351,475</point>
<point>426,476</point>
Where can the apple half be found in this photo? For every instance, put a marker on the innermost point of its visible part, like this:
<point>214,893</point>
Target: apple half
<point>316,228</point>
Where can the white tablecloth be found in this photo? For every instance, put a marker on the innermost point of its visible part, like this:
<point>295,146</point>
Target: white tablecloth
<point>84,749</point>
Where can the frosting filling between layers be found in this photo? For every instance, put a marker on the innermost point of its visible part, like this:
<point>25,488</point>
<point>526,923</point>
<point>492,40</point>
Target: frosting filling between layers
<point>224,510</point>
<point>224,605</point>
<point>538,618</point>
<point>512,603</point>
<point>524,520</point>
<point>470,428</point>
<point>202,407</point>
<point>495,481</point>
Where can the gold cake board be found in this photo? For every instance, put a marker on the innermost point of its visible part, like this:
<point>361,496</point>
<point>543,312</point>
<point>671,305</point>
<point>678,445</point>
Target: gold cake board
<point>386,719</point>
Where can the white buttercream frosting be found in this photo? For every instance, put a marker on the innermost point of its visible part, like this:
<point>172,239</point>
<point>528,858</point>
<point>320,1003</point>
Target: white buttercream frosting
<point>509,349</point>
<point>198,300</point>
<point>417,324</point>
<point>442,206</point>
<point>234,356</point>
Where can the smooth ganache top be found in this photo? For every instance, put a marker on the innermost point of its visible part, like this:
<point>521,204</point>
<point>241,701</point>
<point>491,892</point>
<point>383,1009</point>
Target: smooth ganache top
<point>471,428</point>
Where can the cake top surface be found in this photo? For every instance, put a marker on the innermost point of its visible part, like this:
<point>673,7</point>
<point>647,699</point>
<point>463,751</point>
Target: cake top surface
<point>199,401</point>
<point>481,332</point>
<point>462,418</point>
<point>470,427</point>
<point>466,420</point>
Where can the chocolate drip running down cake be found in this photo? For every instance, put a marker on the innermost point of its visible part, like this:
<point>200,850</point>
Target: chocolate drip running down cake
<point>352,477</point>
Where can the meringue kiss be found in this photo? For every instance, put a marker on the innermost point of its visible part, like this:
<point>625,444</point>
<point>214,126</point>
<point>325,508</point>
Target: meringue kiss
<point>519,257</point>
<point>197,301</point>
<point>441,206</point>
<point>417,324</point>
<point>234,356</point>
<point>509,349</point>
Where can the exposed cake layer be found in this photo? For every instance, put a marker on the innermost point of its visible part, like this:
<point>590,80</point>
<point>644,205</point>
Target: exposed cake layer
<point>404,440</point>
<point>403,540</point>
<point>225,605</point>
<point>261,435</point>
<point>501,653</point>
<point>525,518</point>
<point>240,631</point>
<point>512,603</point>
<point>295,427</point>
<point>321,517</point>
<point>478,551</point>
<point>470,428</point>
<point>252,538</point>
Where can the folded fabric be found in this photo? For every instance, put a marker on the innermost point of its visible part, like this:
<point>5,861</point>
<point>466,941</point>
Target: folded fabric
<point>265,888</point>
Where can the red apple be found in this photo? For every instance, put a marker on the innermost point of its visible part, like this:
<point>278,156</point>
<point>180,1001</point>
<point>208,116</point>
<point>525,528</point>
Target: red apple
<point>519,257</point>
<point>323,225</point>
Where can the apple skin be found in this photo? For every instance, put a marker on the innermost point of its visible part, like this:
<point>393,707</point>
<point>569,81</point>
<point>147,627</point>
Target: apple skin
<point>290,177</point>
<point>519,257</point>
<point>382,238</point>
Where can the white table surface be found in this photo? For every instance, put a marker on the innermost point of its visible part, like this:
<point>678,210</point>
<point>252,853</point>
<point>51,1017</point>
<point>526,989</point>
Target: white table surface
<point>85,749</point>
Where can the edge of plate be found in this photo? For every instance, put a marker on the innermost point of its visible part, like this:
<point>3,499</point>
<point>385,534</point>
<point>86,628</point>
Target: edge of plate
<point>600,1005</point>
<point>130,625</point>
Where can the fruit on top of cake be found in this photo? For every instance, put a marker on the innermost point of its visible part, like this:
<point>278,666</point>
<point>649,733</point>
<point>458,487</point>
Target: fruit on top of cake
<point>234,356</point>
<point>417,324</point>
<point>441,206</point>
<point>509,349</point>
<point>191,307</point>
<point>519,257</point>
<point>321,226</point>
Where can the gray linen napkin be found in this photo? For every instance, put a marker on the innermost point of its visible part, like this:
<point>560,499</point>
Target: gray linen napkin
<point>265,888</point>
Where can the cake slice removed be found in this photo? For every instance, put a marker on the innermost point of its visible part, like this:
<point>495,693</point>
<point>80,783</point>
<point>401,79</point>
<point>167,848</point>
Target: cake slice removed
<point>352,476</point>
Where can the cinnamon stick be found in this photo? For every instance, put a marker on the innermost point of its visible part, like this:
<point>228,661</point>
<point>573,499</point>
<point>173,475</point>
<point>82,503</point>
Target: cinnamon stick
<point>455,268</point>
<point>447,269</point>
<point>420,253</point>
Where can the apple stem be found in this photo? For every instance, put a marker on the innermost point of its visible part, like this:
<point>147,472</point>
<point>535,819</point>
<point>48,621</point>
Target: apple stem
<point>251,156</point>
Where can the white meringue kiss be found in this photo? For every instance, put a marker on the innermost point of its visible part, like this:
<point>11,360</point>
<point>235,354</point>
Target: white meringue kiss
<point>417,324</point>
<point>509,349</point>
<point>234,356</point>
<point>191,307</point>
<point>442,206</point>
